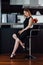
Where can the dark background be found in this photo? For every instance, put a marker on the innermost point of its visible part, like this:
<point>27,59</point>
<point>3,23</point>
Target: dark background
<point>7,8</point>
<point>6,40</point>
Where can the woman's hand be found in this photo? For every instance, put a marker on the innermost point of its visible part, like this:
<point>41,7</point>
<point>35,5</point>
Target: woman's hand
<point>20,32</point>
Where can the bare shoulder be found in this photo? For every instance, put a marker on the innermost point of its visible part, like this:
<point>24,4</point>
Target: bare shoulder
<point>31,19</point>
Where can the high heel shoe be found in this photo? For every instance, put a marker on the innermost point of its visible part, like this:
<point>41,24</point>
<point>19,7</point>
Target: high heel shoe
<point>12,56</point>
<point>25,49</point>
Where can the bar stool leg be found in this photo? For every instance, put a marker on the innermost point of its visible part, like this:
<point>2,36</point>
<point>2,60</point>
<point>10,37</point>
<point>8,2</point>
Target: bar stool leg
<point>30,56</point>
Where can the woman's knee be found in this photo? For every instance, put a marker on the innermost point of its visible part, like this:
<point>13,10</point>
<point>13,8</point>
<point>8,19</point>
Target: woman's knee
<point>14,36</point>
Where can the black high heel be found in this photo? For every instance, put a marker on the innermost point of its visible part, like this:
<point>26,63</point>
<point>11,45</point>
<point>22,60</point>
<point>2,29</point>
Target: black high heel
<point>25,49</point>
<point>12,56</point>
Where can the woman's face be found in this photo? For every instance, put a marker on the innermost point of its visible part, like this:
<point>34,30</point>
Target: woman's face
<point>26,14</point>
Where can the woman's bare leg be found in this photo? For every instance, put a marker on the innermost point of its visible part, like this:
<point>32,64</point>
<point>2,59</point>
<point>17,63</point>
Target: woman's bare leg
<point>15,47</point>
<point>17,42</point>
<point>20,42</point>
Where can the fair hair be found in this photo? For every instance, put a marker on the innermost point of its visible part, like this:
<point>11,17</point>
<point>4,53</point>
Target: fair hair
<point>26,9</point>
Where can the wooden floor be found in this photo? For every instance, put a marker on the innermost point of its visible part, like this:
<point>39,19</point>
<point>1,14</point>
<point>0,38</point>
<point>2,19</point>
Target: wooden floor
<point>20,60</point>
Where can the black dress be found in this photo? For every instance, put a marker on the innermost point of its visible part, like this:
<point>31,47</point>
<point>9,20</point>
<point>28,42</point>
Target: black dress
<point>23,35</point>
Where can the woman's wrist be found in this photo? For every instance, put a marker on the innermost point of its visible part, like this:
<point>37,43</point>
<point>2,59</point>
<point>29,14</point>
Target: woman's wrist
<point>24,29</point>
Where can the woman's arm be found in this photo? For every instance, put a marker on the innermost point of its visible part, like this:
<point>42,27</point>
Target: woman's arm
<point>29,26</point>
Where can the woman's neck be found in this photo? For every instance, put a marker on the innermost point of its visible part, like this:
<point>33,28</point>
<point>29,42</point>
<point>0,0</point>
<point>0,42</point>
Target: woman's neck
<point>28,17</point>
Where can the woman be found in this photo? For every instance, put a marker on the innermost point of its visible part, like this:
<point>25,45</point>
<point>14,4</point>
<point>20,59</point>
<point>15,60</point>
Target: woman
<point>22,33</point>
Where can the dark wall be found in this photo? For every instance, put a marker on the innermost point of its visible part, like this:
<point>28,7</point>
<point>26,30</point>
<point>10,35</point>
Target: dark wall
<point>0,40</point>
<point>37,43</point>
<point>7,8</point>
<point>7,42</point>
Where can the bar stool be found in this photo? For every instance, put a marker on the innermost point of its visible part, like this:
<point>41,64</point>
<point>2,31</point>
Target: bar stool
<point>36,28</point>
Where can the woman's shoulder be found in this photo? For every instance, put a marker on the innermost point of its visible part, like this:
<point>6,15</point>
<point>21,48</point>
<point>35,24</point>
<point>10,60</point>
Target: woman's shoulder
<point>31,17</point>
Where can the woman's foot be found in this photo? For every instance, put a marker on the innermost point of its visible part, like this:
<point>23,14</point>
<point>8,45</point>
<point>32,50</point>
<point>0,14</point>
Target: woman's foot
<point>24,49</point>
<point>12,56</point>
<point>27,49</point>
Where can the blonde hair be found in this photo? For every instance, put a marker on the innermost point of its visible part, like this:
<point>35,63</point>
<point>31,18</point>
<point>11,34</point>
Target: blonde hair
<point>26,9</point>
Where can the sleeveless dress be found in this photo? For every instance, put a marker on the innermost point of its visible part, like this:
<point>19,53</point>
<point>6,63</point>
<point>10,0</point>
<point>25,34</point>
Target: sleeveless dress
<point>23,35</point>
